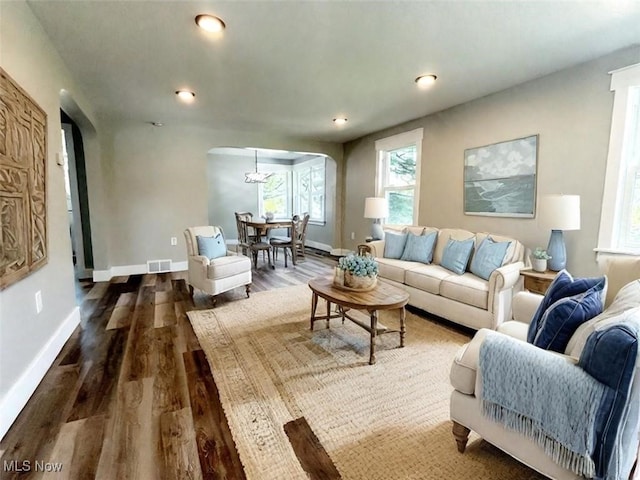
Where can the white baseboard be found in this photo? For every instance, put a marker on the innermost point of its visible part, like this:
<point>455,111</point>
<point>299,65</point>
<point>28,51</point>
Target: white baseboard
<point>18,395</point>
<point>121,270</point>
<point>320,246</point>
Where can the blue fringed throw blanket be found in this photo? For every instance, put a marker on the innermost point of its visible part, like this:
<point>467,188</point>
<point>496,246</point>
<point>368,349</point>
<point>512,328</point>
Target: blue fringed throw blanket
<point>542,396</point>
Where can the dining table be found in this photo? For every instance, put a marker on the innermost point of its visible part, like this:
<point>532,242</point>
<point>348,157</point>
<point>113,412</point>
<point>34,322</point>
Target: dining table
<point>262,228</point>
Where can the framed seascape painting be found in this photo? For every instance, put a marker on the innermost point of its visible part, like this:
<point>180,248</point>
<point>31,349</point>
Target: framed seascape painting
<point>500,179</point>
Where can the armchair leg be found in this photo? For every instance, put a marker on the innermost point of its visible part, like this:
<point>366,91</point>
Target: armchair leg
<point>247,289</point>
<point>461,434</point>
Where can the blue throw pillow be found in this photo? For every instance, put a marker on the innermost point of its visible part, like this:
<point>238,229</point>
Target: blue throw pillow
<point>394,244</point>
<point>419,248</point>
<point>564,285</point>
<point>609,356</point>
<point>456,255</point>
<point>488,257</point>
<point>211,247</point>
<point>562,319</point>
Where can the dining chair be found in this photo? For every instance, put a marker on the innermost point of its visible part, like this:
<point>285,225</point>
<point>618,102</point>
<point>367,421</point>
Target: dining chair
<point>247,243</point>
<point>287,242</point>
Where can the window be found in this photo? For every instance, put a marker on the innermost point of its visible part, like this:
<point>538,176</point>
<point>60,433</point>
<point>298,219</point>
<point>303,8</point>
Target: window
<point>398,175</point>
<point>296,188</point>
<point>620,218</point>
<point>310,188</point>
<point>275,194</point>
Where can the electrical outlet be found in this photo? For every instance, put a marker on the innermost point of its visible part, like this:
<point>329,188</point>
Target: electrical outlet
<point>174,241</point>
<point>353,235</point>
<point>38,301</point>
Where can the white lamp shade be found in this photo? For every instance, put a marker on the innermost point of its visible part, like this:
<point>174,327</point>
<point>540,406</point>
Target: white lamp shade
<point>375,207</point>
<point>560,212</point>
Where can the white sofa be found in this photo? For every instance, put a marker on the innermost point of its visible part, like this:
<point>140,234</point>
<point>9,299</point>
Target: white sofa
<point>464,299</point>
<point>466,377</point>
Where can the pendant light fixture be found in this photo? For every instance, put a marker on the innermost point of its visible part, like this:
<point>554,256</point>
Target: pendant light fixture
<point>256,177</point>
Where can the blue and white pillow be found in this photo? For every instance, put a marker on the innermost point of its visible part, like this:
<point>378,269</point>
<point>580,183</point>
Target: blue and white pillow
<point>419,248</point>
<point>488,257</point>
<point>211,247</point>
<point>394,244</point>
<point>564,285</point>
<point>562,319</point>
<point>456,255</point>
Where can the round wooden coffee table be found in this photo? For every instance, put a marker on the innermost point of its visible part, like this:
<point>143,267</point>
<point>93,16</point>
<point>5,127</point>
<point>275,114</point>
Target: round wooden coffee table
<point>382,297</point>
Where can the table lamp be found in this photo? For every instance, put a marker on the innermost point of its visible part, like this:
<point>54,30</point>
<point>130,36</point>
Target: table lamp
<point>559,212</point>
<point>376,208</point>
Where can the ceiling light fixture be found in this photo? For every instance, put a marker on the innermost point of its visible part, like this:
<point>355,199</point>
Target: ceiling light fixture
<point>256,177</point>
<point>210,23</point>
<point>157,124</point>
<point>340,121</point>
<point>185,95</point>
<point>425,81</point>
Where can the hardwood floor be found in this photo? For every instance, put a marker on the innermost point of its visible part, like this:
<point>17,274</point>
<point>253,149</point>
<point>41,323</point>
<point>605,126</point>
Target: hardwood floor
<point>131,395</point>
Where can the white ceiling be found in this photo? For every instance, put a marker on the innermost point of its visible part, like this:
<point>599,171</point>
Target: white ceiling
<point>291,67</point>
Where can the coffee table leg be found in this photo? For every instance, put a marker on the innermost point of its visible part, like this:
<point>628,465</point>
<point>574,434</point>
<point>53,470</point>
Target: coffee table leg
<point>314,305</point>
<point>402,327</point>
<point>374,328</point>
<point>328,313</point>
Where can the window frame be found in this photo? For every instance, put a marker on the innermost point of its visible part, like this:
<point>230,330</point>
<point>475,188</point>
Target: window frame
<point>395,142</point>
<point>276,168</point>
<point>622,81</point>
<point>314,164</point>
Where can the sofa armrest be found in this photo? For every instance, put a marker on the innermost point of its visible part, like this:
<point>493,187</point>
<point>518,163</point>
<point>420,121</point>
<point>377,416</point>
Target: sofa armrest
<point>199,260</point>
<point>376,248</point>
<point>525,305</point>
<point>465,364</point>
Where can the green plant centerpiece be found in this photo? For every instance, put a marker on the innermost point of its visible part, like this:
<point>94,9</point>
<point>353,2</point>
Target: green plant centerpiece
<point>360,272</point>
<point>540,257</point>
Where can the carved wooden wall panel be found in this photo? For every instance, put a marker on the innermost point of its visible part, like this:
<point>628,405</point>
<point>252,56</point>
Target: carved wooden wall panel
<point>23,192</point>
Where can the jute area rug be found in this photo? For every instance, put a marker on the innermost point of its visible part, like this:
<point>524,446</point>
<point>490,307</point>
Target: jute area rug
<point>384,421</point>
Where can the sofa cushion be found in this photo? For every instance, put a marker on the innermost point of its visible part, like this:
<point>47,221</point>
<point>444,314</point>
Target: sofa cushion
<point>211,247</point>
<point>619,273</point>
<point>228,266</point>
<point>563,318</point>
<point>394,244</point>
<point>427,278</point>
<point>514,329</point>
<point>419,248</point>
<point>625,306</point>
<point>467,288</point>
<point>488,257</point>
<point>456,255</point>
<point>564,285</point>
<point>393,269</point>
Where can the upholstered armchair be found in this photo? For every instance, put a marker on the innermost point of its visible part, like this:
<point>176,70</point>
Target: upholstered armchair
<point>218,270</point>
<point>601,357</point>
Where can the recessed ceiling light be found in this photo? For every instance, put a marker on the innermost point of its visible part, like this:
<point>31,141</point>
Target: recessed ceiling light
<point>185,95</point>
<point>424,81</point>
<point>210,23</point>
<point>340,121</point>
<point>157,124</point>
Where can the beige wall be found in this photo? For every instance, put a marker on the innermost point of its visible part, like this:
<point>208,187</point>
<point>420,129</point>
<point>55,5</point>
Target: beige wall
<point>569,110</point>
<point>26,55</point>
<point>159,184</point>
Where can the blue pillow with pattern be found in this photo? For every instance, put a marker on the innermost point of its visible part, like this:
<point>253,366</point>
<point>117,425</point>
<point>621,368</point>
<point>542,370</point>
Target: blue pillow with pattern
<point>419,248</point>
<point>456,255</point>
<point>488,257</point>
<point>394,244</point>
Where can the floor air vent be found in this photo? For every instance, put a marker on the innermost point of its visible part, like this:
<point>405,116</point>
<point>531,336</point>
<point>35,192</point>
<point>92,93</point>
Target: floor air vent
<point>158,266</point>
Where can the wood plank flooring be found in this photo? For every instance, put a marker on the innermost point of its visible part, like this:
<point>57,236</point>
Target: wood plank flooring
<point>131,395</point>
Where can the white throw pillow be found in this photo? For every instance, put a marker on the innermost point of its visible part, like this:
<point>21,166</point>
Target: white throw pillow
<point>625,306</point>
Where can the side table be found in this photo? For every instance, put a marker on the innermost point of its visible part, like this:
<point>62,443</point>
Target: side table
<point>537,282</point>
